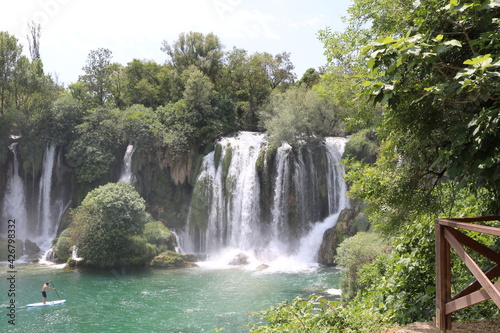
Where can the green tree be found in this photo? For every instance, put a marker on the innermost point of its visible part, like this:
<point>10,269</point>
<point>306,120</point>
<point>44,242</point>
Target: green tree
<point>149,83</point>
<point>440,85</point>
<point>310,78</point>
<point>279,69</point>
<point>92,153</point>
<point>10,53</point>
<point>103,131</point>
<point>198,89</point>
<point>107,227</point>
<point>196,49</point>
<point>98,73</point>
<point>299,114</point>
<point>352,254</point>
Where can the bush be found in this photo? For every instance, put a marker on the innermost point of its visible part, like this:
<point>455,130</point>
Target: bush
<point>352,254</point>
<point>62,248</point>
<point>156,233</point>
<point>104,224</point>
<point>362,146</point>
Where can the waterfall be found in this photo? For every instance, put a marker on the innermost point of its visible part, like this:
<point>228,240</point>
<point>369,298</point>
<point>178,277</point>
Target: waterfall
<point>226,195</point>
<point>45,229</point>
<point>337,200</point>
<point>230,210</point>
<point>38,205</point>
<point>126,174</point>
<point>14,198</point>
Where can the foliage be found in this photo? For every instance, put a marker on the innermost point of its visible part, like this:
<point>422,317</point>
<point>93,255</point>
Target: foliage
<point>248,81</point>
<point>107,227</point>
<point>148,83</point>
<point>62,248</point>
<point>158,234</point>
<point>102,130</point>
<point>310,78</point>
<point>299,114</point>
<point>401,284</point>
<point>301,315</point>
<point>66,114</point>
<point>316,315</point>
<point>26,94</point>
<point>353,253</point>
<point>440,83</point>
<point>98,73</point>
<point>196,49</point>
<point>362,146</point>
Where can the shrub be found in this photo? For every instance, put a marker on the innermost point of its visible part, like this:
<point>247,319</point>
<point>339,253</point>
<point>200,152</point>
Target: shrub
<point>352,254</point>
<point>105,221</point>
<point>156,233</point>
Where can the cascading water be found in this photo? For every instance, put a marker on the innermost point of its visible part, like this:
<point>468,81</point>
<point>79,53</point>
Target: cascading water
<point>234,207</point>
<point>337,200</point>
<point>45,228</point>
<point>225,195</point>
<point>126,174</point>
<point>38,214</point>
<point>14,198</point>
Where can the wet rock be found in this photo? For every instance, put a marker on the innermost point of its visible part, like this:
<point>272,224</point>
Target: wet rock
<point>171,260</point>
<point>240,259</point>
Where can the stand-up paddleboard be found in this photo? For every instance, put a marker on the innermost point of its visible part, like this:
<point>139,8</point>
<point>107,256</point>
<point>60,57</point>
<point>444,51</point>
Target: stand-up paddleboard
<point>61,301</point>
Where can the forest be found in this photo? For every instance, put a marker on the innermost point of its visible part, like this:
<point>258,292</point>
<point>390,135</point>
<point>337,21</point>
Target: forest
<point>414,84</point>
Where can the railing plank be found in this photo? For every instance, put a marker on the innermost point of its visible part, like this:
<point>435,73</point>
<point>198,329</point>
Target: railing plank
<point>494,272</point>
<point>485,229</point>
<point>447,236</point>
<point>443,278</point>
<point>469,299</point>
<point>476,246</point>
<point>488,286</point>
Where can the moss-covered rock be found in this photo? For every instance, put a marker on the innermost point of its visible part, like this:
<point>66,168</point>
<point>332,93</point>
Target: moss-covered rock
<point>334,236</point>
<point>172,259</point>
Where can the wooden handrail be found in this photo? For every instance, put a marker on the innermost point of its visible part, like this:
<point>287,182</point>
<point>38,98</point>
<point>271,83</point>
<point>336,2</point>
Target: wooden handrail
<point>447,237</point>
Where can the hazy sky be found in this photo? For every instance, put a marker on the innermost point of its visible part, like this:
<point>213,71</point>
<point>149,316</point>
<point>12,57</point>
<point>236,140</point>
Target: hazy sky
<point>136,29</point>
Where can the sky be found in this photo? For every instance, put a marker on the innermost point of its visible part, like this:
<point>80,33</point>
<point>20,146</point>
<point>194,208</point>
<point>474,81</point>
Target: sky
<point>136,29</point>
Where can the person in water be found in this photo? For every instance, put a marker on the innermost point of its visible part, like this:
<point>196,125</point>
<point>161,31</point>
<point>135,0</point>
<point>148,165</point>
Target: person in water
<point>44,294</point>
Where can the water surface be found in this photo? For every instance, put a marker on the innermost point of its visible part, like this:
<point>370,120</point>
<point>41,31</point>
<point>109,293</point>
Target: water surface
<point>184,300</point>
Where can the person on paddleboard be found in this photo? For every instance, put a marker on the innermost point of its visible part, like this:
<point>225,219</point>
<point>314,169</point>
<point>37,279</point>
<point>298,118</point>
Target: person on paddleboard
<point>44,294</point>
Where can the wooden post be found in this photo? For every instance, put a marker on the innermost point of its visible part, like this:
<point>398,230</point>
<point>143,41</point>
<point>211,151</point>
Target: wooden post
<point>443,279</point>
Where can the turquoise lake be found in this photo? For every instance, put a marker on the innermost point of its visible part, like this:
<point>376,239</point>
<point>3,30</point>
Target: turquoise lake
<point>126,300</point>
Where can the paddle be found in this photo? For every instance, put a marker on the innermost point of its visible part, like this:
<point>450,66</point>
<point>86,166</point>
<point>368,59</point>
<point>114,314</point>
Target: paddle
<point>55,289</point>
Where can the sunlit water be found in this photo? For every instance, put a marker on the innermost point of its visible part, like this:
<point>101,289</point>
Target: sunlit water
<point>182,300</point>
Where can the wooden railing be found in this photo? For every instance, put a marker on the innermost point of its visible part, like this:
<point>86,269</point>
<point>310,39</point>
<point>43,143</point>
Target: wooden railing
<point>447,237</point>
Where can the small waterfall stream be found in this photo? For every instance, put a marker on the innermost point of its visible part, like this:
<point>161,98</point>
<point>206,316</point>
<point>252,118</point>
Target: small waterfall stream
<point>126,174</point>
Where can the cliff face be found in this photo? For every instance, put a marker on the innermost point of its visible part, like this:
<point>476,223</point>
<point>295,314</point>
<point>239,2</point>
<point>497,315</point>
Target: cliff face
<point>294,188</point>
<point>351,221</point>
<point>165,183</point>
<point>334,236</point>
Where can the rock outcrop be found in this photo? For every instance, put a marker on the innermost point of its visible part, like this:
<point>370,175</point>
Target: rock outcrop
<point>172,260</point>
